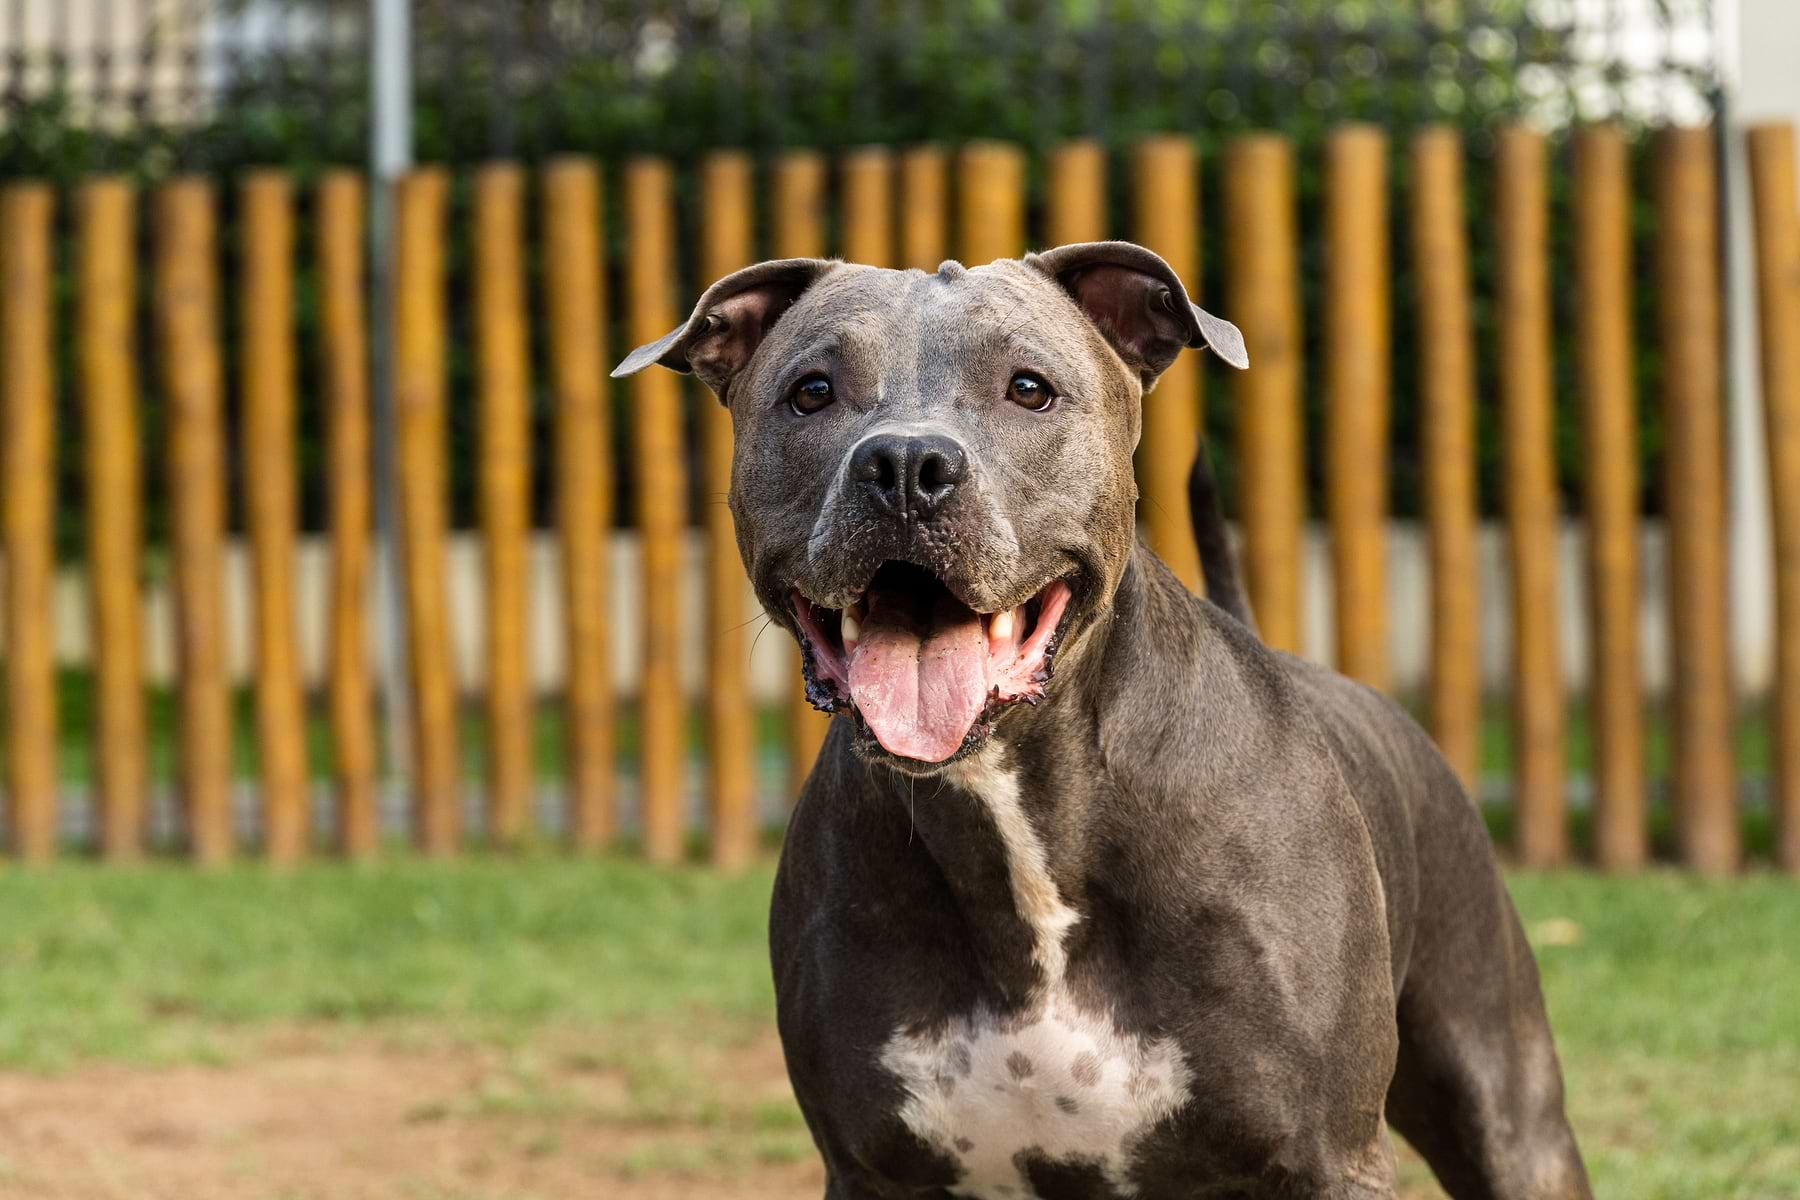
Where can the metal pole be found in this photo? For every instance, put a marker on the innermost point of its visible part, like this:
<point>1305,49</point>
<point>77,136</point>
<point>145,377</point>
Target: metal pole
<point>390,154</point>
<point>1753,39</point>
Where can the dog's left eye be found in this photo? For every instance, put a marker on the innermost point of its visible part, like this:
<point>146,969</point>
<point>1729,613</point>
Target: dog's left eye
<point>1030,392</point>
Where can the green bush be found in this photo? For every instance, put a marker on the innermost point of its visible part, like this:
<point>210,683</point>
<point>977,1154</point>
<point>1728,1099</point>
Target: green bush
<point>809,74</point>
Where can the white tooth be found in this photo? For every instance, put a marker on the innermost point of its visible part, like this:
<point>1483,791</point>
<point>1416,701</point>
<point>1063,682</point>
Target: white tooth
<point>1001,627</point>
<point>851,628</point>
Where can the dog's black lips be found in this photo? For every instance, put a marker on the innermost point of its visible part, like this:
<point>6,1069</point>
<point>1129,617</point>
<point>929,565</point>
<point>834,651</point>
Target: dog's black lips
<point>819,694</point>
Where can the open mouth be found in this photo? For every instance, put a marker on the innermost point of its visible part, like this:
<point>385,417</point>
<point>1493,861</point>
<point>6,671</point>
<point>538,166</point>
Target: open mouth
<point>920,668</point>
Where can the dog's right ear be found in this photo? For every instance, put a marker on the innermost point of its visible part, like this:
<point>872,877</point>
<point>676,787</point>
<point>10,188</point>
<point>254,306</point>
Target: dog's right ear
<point>729,322</point>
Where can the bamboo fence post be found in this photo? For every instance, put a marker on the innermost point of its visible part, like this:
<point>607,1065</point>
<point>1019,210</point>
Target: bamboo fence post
<point>1446,339</point>
<point>867,217</point>
<point>576,302</point>
<point>27,512</point>
<point>1610,482</point>
<point>798,220</point>
<point>656,437</point>
<point>503,358</point>
<point>1690,331</point>
<point>798,230</point>
<point>1166,219</point>
<point>1774,184</point>
<point>344,370</point>
<point>990,202</point>
<point>188,323</point>
<point>1523,306</point>
<point>924,207</point>
<point>1263,292</point>
<point>1077,193</point>
<point>267,363</point>
<point>726,244</point>
<point>1357,382</point>
<point>420,349</point>
<point>107,294</point>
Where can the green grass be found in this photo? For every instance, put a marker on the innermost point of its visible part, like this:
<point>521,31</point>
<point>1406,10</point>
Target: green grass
<point>163,963</point>
<point>1676,1000</point>
<point>76,720</point>
<point>1677,1010</point>
<point>1750,738</point>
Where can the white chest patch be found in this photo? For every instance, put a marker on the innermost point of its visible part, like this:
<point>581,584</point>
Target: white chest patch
<point>1055,1081</point>
<point>1059,1083</point>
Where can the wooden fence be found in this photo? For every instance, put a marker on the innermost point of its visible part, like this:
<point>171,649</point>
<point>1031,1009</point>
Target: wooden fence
<point>896,209</point>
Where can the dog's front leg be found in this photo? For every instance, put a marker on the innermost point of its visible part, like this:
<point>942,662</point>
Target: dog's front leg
<point>838,1187</point>
<point>859,1185</point>
<point>1369,1177</point>
<point>1372,1178</point>
<point>1357,1189</point>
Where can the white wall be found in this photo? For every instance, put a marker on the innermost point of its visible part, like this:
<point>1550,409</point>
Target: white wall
<point>773,662</point>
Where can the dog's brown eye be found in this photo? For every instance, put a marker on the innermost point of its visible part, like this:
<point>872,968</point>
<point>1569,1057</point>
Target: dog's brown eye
<point>810,395</point>
<point>1028,391</point>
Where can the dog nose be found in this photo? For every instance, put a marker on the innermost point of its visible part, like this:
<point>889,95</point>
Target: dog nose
<point>902,473</point>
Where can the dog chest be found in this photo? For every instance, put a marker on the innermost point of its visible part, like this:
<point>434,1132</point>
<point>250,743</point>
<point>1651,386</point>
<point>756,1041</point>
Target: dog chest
<point>1055,1086</point>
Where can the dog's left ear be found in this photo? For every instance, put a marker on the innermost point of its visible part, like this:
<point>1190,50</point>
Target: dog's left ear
<point>729,322</point>
<point>1137,302</point>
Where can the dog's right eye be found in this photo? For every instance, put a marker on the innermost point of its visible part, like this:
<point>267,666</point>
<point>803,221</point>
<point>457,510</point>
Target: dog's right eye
<point>810,395</point>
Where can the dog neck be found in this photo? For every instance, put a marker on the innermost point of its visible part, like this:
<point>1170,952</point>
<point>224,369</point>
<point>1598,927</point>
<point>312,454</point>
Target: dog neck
<point>1013,829</point>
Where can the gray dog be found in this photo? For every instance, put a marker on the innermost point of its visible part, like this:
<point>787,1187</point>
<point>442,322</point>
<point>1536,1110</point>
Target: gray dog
<point>1090,894</point>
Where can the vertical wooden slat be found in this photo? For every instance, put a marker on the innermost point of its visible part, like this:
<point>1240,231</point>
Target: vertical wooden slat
<point>726,234</point>
<point>576,303</point>
<point>1774,186</point>
<point>1690,332</point>
<point>924,207</point>
<point>1166,218</point>
<point>1357,378</point>
<point>656,442</point>
<point>1604,358</point>
<point>1263,296</point>
<point>798,231</point>
<point>420,350</point>
<point>1523,313</point>
<point>1446,341</point>
<point>188,325</point>
<point>990,191</point>
<point>267,363</point>
<point>344,372</point>
<point>27,505</point>
<point>106,290</point>
<point>1077,193</point>
<point>503,360</point>
<point>867,213</point>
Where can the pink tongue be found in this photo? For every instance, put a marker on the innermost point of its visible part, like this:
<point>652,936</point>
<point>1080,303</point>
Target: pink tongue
<point>920,695</point>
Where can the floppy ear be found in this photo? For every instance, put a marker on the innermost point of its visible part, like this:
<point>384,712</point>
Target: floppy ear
<point>729,322</point>
<point>1138,304</point>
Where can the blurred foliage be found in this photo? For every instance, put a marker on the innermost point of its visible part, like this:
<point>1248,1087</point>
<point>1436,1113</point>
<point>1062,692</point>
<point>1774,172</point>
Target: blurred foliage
<point>538,78</point>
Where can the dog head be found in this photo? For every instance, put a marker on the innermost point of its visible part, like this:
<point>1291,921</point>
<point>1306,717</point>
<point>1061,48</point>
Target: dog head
<point>932,473</point>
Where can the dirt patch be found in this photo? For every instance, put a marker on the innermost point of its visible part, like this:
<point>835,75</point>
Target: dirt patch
<point>378,1121</point>
<point>321,1117</point>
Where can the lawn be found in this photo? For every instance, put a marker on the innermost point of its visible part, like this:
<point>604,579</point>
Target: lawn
<point>549,1027</point>
<point>77,716</point>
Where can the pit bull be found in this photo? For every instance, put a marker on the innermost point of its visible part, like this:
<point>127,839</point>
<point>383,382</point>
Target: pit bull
<point>1090,893</point>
